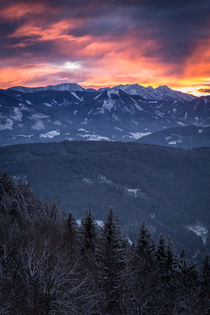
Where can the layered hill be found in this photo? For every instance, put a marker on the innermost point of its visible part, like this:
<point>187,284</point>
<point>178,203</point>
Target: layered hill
<point>183,137</point>
<point>168,188</point>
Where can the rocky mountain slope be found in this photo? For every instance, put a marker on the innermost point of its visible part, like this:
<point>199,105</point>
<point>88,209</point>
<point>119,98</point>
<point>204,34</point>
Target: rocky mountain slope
<point>69,112</point>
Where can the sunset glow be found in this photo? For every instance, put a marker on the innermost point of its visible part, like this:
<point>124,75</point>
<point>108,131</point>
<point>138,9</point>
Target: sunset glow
<point>106,43</point>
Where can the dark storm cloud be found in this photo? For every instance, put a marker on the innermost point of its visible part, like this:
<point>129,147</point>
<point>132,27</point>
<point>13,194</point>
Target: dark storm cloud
<point>148,39</point>
<point>204,90</point>
<point>176,25</point>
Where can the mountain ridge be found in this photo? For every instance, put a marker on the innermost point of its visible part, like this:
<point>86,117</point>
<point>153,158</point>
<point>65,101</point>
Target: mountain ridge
<point>68,113</point>
<point>135,89</point>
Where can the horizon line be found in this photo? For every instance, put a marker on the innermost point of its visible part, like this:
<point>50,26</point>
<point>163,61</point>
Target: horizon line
<point>111,86</point>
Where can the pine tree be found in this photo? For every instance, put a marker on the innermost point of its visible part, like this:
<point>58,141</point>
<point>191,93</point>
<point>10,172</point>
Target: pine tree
<point>206,271</point>
<point>71,237</point>
<point>71,225</point>
<point>161,255</point>
<point>112,266</point>
<point>143,271</point>
<point>89,232</point>
<point>171,259</point>
<point>205,287</point>
<point>145,246</point>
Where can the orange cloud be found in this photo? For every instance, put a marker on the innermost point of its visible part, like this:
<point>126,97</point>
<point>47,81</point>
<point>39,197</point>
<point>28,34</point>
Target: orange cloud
<point>17,11</point>
<point>40,51</point>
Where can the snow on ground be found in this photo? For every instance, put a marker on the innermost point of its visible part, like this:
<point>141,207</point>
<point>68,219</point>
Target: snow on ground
<point>39,116</point>
<point>134,122</point>
<point>75,95</point>
<point>128,110</point>
<point>25,136</point>
<point>112,91</point>
<point>129,241</point>
<point>100,223</point>
<point>130,192</point>
<point>95,98</point>
<point>115,117</point>
<point>47,104</point>
<point>137,105</point>
<point>108,104</point>
<point>174,142</point>
<point>83,130</point>
<point>38,125</point>
<point>8,124</point>
<point>87,180</point>
<point>56,122</point>
<point>103,180</point>
<point>138,135</point>
<point>117,128</point>
<point>51,134</point>
<point>91,137</point>
<point>17,115</point>
<point>133,191</point>
<point>181,123</point>
<point>23,107</point>
<point>200,230</point>
<point>84,122</point>
<point>159,113</point>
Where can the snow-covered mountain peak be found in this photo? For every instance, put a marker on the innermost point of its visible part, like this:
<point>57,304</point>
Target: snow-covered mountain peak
<point>162,93</point>
<point>70,87</point>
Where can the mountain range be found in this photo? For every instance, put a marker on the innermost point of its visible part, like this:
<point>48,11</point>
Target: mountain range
<point>123,113</point>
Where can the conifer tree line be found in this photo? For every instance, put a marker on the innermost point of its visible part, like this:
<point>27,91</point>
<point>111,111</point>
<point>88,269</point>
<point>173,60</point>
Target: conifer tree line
<point>51,265</point>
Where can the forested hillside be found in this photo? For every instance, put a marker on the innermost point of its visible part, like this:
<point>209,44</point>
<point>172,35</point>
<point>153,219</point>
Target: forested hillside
<point>167,188</point>
<point>51,265</point>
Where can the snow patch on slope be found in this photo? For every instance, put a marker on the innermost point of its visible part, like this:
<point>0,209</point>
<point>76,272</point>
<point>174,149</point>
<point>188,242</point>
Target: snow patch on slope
<point>200,230</point>
<point>38,125</point>
<point>17,115</point>
<point>138,135</point>
<point>76,96</point>
<point>39,116</point>
<point>47,104</point>
<point>108,104</point>
<point>8,124</point>
<point>50,134</point>
<point>103,180</point>
<point>91,137</point>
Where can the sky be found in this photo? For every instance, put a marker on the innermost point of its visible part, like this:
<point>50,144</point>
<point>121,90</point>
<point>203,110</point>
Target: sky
<point>101,43</point>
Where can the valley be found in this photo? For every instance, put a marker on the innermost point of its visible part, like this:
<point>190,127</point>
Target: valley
<point>167,188</point>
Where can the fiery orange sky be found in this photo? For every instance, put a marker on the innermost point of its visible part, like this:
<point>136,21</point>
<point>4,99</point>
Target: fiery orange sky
<point>106,43</point>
